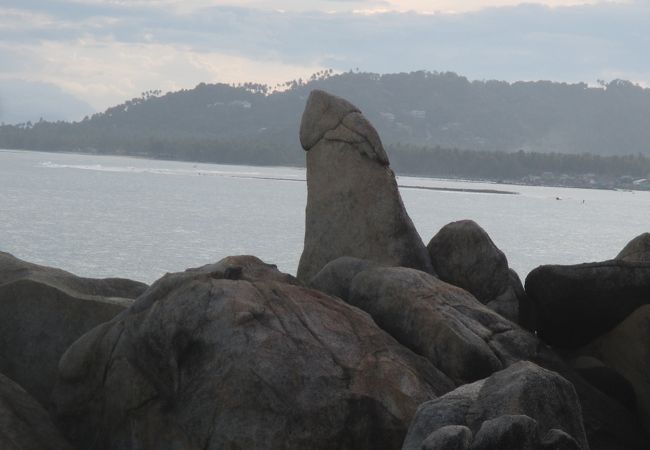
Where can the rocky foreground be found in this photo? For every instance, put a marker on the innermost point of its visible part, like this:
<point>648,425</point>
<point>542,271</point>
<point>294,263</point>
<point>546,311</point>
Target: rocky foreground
<point>380,342</point>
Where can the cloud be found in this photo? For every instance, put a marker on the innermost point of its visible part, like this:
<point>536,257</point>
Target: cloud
<point>109,51</point>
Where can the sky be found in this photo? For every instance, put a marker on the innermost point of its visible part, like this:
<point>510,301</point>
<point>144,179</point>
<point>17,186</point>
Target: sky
<point>62,59</point>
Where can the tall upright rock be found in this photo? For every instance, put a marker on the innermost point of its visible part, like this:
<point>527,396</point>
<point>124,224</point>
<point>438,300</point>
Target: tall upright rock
<point>353,204</point>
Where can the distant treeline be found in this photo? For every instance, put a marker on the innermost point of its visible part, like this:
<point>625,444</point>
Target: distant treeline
<point>441,162</point>
<point>509,130</point>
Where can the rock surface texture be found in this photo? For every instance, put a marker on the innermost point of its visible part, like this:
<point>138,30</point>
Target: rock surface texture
<point>463,254</point>
<point>512,409</point>
<point>468,341</point>
<point>637,250</point>
<point>24,424</point>
<point>44,310</point>
<point>353,204</point>
<point>626,349</point>
<point>236,355</point>
<point>575,304</point>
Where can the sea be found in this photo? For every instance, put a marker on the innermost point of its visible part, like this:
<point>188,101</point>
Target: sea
<point>113,216</point>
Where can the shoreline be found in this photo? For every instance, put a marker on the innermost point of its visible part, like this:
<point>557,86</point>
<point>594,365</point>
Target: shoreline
<point>405,174</point>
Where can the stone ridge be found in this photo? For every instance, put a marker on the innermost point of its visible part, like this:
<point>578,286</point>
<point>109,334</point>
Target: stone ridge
<point>335,119</point>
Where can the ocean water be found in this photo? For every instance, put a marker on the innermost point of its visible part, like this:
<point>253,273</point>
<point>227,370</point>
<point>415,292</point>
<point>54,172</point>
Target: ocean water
<point>105,216</point>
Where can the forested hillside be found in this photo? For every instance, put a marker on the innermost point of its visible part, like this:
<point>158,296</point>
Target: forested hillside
<point>258,124</point>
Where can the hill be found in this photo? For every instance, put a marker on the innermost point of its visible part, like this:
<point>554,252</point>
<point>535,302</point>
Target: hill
<point>255,124</point>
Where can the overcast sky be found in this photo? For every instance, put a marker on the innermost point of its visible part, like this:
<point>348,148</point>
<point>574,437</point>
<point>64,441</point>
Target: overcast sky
<point>98,53</point>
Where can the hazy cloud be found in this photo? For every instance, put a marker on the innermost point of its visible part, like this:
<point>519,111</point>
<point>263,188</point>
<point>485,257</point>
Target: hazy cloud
<point>108,51</point>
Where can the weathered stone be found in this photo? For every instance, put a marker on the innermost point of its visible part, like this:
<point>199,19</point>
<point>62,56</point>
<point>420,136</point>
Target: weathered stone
<point>637,250</point>
<point>523,389</point>
<point>44,310</point>
<point>575,304</point>
<point>463,338</point>
<point>463,254</point>
<point>353,204</point>
<point>558,440</point>
<point>626,349</point>
<point>24,424</point>
<point>336,277</point>
<point>440,321</point>
<point>450,437</point>
<point>206,361</point>
<point>507,432</point>
<point>527,389</point>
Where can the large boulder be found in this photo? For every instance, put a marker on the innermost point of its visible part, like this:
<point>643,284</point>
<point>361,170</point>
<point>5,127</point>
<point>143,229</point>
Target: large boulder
<point>463,254</point>
<point>637,250</point>
<point>353,204</point>
<point>511,409</point>
<point>626,349</point>
<point>577,303</point>
<point>24,424</point>
<point>237,355</point>
<point>459,335</point>
<point>44,310</point>
<point>468,341</point>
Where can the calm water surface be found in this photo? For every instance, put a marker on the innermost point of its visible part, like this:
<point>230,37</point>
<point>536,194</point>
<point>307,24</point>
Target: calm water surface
<point>104,216</point>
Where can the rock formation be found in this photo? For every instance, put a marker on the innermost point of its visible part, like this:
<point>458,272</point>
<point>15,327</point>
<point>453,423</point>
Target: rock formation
<point>637,250</point>
<point>626,349</point>
<point>504,411</point>
<point>44,310</point>
<point>468,341</point>
<point>24,424</point>
<point>233,356</point>
<point>575,304</point>
<point>353,203</point>
<point>463,254</point>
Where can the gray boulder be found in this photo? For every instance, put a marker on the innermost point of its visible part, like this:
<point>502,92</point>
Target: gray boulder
<point>353,204</point>
<point>24,424</point>
<point>559,440</point>
<point>336,277</point>
<point>459,335</point>
<point>507,432</point>
<point>637,250</point>
<point>450,437</point>
<point>463,254</point>
<point>517,404</point>
<point>577,303</point>
<point>235,355</point>
<point>467,341</point>
<point>44,310</point>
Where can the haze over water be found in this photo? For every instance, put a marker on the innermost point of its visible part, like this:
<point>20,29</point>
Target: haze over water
<point>104,216</point>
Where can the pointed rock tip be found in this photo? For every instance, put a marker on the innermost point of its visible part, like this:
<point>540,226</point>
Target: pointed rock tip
<point>323,112</point>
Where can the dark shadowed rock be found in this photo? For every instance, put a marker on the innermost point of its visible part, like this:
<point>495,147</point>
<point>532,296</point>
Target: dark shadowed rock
<point>24,424</point>
<point>507,432</point>
<point>450,437</point>
<point>353,204</point>
<point>611,383</point>
<point>637,250</point>
<point>44,310</point>
<point>493,409</point>
<point>626,349</point>
<point>575,304</point>
<point>463,254</point>
<point>558,440</point>
<point>203,361</point>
